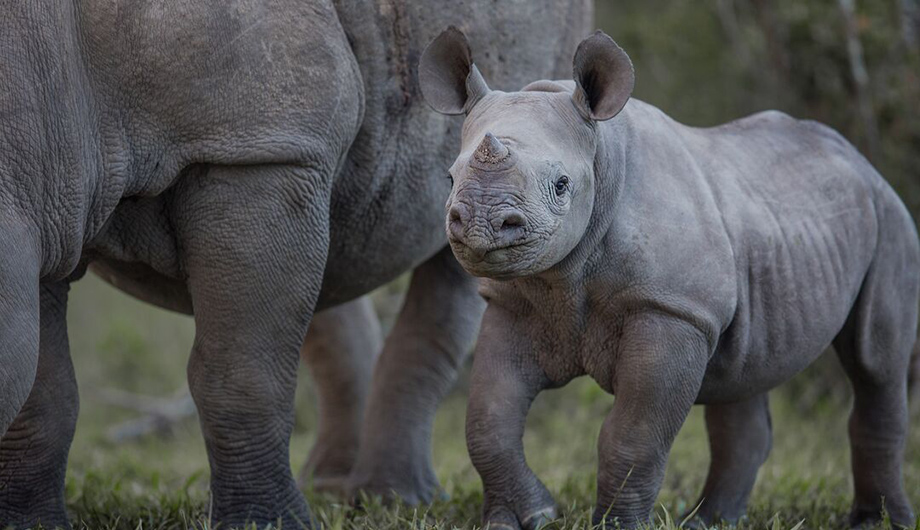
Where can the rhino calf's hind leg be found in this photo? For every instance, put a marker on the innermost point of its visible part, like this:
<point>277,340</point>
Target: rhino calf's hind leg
<point>433,334</point>
<point>340,350</point>
<point>254,241</point>
<point>33,452</point>
<point>878,430</point>
<point>740,437</point>
<point>874,348</point>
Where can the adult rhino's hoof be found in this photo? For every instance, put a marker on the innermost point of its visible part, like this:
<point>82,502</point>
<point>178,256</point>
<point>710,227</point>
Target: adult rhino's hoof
<point>329,465</point>
<point>390,491</point>
<point>336,485</point>
<point>326,473</point>
<point>34,515</point>
<point>245,511</point>
<point>297,522</point>
<point>21,522</point>
<point>412,488</point>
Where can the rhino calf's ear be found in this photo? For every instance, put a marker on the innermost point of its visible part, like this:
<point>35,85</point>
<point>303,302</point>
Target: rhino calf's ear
<point>604,77</point>
<point>450,82</point>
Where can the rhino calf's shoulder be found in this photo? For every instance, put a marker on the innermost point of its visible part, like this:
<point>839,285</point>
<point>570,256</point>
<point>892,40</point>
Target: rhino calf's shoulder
<point>674,265</point>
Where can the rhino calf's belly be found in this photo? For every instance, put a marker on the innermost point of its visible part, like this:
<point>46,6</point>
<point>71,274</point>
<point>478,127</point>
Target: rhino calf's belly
<point>800,271</point>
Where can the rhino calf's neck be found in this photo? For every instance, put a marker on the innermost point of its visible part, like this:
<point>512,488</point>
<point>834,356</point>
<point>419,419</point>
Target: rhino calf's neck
<point>674,265</point>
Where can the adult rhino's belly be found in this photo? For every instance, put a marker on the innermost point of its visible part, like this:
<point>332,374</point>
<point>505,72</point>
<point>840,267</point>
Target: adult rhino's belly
<point>136,252</point>
<point>144,283</point>
<point>349,274</point>
<point>373,246</point>
<point>381,253</point>
<point>798,279</point>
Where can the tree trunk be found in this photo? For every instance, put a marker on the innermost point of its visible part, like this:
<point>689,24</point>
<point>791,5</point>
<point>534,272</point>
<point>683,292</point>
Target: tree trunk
<point>860,77</point>
<point>909,12</point>
<point>728,18</point>
<point>775,36</point>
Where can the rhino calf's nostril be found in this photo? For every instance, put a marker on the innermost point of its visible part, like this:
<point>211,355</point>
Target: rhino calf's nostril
<point>456,218</point>
<point>512,221</point>
<point>455,223</point>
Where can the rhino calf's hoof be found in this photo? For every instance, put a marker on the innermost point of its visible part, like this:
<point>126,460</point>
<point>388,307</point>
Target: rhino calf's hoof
<point>504,518</point>
<point>501,518</point>
<point>539,518</point>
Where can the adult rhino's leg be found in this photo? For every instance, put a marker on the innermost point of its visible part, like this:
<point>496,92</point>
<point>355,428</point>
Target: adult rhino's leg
<point>19,314</point>
<point>660,366</point>
<point>254,241</point>
<point>504,383</point>
<point>19,334</point>
<point>874,348</point>
<point>33,452</point>
<point>433,334</point>
<point>341,348</point>
<point>740,437</point>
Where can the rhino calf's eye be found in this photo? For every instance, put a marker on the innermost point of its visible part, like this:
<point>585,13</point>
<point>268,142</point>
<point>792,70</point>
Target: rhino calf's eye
<point>562,184</point>
<point>451,179</point>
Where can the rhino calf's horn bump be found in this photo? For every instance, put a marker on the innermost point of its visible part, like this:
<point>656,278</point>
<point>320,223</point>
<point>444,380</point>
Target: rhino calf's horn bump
<point>491,152</point>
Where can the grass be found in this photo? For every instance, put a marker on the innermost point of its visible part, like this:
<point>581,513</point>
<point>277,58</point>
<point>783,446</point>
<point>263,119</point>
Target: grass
<point>160,482</point>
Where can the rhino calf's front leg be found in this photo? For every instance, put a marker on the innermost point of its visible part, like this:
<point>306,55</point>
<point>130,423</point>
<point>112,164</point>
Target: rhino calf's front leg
<point>660,366</point>
<point>505,381</point>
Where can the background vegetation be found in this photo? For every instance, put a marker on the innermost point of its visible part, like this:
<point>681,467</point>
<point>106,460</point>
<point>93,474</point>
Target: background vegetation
<point>855,67</point>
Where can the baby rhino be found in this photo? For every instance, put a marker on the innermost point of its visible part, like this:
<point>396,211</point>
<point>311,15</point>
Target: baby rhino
<point>674,265</point>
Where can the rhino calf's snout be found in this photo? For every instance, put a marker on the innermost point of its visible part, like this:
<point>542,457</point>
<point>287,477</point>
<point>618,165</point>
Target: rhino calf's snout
<point>483,231</point>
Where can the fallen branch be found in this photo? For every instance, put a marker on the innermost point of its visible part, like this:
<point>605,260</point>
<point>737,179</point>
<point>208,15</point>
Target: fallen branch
<point>160,415</point>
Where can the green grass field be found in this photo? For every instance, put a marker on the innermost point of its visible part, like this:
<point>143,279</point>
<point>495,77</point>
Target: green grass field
<point>160,482</point>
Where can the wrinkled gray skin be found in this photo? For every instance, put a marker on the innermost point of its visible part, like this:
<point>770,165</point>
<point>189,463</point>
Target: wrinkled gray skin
<point>340,349</point>
<point>674,265</point>
<point>248,161</point>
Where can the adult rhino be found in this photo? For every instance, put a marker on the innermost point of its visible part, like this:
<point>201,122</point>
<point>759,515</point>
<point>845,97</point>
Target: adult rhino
<point>250,162</point>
